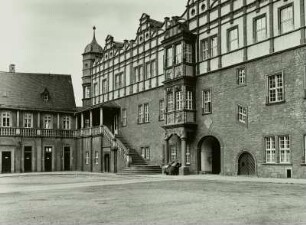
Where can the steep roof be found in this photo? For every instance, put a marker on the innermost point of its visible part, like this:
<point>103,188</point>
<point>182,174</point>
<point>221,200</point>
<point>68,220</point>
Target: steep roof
<point>48,92</point>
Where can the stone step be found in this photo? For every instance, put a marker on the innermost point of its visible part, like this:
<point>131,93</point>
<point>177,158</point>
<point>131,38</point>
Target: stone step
<point>141,169</point>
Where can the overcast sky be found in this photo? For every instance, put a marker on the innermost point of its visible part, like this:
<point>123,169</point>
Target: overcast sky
<point>49,36</point>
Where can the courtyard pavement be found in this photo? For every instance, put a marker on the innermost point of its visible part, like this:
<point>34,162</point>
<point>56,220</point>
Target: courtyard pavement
<point>95,198</point>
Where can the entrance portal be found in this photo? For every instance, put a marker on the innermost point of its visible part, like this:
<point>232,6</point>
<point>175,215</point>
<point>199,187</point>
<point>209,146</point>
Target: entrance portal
<point>246,164</point>
<point>210,155</point>
<point>27,159</point>
<point>106,163</point>
<point>48,159</point>
<point>66,158</point>
<point>6,162</point>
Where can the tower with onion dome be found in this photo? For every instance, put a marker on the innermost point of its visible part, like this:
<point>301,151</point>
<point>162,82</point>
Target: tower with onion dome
<point>93,51</point>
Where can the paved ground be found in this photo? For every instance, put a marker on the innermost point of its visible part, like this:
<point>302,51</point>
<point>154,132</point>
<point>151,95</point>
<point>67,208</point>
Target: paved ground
<point>82,198</point>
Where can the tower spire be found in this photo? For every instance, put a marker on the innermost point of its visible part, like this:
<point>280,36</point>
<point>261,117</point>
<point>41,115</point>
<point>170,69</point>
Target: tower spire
<point>94,33</point>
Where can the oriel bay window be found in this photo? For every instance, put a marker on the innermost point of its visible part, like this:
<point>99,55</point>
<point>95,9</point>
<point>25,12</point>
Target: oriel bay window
<point>169,57</point>
<point>189,100</point>
<point>178,54</point>
<point>179,100</point>
<point>188,53</point>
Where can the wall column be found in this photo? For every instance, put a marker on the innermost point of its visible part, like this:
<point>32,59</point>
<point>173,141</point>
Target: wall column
<point>58,121</point>
<point>166,151</point>
<point>17,120</point>
<point>184,170</point>
<point>38,120</point>
<point>82,120</point>
<point>76,123</point>
<point>90,118</point>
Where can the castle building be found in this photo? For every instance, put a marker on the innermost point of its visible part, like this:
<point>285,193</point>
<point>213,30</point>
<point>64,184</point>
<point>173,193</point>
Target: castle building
<point>220,89</point>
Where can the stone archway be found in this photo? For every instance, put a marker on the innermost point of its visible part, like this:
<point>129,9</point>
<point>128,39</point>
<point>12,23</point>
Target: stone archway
<point>209,155</point>
<point>246,164</point>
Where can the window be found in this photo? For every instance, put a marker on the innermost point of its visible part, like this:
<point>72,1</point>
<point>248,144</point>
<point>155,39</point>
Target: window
<point>119,81</point>
<point>87,158</point>
<point>138,72</point>
<point>95,89</point>
<point>145,153</point>
<point>284,148</point>
<point>179,100</point>
<point>104,86</point>
<point>6,119</point>
<point>270,150</point>
<point>169,57</point>
<point>150,69</point>
<point>178,54</point>
<point>189,100</point>
<point>233,42</point>
<point>162,109</point>
<point>48,149</point>
<point>96,157</point>
<point>146,113</point>
<point>173,153</point>
<point>124,117</point>
<point>242,114</point>
<point>46,97</point>
<point>286,19</point>
<point>275,88</point>
<point>48,123</point>
<point>260,28</point>
<point>140,114</point>
<point>87,92</point>
<point>66,123</point>
<point>241,76</point>
<point>28,120</point>
<point>170,102</point>
<point>188,154</point>
<point>188,53</point>
<point>209,47</point>
<point>206,102</point>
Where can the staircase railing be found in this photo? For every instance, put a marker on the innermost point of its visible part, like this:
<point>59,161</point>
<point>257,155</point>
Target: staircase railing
<point>123,150</point>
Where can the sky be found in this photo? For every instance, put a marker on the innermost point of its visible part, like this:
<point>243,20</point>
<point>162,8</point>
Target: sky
<point>49,36</point>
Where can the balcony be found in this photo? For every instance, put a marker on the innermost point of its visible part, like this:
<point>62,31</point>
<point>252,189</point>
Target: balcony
<point>32,132</point>
<point>180,117</point>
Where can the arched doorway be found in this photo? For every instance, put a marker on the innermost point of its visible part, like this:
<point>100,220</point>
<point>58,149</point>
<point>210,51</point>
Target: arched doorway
<point>209,155</point>
<point>246,164</point>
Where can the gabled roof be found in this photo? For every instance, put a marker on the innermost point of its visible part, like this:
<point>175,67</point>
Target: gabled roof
<point>27,91</point>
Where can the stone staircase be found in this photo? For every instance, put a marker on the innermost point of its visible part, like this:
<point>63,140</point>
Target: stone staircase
<point>138,164</point>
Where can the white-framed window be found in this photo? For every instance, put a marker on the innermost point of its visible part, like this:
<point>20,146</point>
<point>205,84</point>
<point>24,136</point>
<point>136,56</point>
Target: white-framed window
<point>242,114</point>
<point>48,121</point>
<point>275,88</point>
<point>173,153</point>
<point>124,117</point>
<point>188,53</point>
<point>6,119</point>
<point>179,100</point>
<point>169,57</point>
<point>28,120</point>
<point>87,92</point>
<point>118,80</point>
<point>241,76</point>
<point>153,68</point>
<point>284,149</point>
<point>48,149</point>
<point>95,89</point>
<point>141,73</point>
<point>178,54</point>
<point>146,112</point>
<point>87,158</point>
<point>270,150</point>
<point>170,102</point>
<point>209,47</point>
<point>104,86</point>
<point>96,157</point>
<point>286,19</point>
<point>188,154</point>
<point>260,28</point>
<point>206,101</point>
<point>189,99</point>
<point>66,123</point>
<point>233,39</point>
<point>162,109</point>
<point>145,153</point>
<point>150,69</point>
<point>140,114</point>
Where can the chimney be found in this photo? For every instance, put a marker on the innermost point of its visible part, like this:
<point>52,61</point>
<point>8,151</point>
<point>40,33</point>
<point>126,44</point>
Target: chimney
<point>12,68</point>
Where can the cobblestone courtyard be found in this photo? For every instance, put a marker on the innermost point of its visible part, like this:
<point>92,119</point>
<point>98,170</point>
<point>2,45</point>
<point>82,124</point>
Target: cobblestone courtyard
<point>112,199</point>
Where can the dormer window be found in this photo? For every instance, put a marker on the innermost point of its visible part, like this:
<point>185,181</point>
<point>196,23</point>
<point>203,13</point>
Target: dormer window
<point>45,95</point>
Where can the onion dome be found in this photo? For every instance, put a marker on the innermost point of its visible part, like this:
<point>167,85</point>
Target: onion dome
<point>93,47</point>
